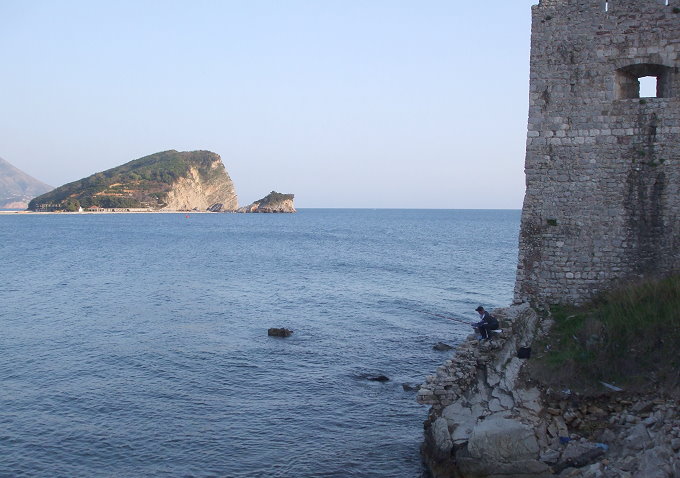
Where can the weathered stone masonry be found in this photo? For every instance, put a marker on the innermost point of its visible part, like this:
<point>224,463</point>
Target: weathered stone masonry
<point>602,164</point>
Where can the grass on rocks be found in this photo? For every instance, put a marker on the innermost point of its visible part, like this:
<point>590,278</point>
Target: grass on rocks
<point>629,337</point>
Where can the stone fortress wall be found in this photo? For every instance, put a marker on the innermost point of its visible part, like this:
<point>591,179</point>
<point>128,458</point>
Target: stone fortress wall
<point>602,205</point>
<point>602,164</point>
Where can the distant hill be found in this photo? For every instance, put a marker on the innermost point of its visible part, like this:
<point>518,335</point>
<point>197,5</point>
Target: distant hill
<point>194,180</point>
<point>18,188</point>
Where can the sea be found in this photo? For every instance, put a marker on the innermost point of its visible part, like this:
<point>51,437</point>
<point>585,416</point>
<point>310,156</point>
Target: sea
<point>136,345</point>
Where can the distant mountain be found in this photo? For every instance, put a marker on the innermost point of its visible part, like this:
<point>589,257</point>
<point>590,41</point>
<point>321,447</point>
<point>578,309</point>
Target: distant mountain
<point>171,180</point>
<point>18,188</point>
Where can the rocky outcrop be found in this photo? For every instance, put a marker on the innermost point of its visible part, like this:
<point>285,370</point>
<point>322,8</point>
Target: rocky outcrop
<point>170,180</point>
<point>216,207</point>
<point>489,419</point>
<point>18,188</point>
<point>201,191</point>
<point>272,203</point>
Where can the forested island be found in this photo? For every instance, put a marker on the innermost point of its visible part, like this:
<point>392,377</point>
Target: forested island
<point>166,180</point>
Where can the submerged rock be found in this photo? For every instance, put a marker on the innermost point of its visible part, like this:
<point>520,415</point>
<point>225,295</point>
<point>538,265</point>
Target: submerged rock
<point>378,378</point>
<point>441,347</point>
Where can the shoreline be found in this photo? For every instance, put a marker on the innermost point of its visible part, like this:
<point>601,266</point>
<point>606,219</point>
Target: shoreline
<point>489,417</point>
<point>76,213</point>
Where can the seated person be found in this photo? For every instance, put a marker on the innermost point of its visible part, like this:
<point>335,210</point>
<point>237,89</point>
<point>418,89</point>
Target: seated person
<point>486,324</point>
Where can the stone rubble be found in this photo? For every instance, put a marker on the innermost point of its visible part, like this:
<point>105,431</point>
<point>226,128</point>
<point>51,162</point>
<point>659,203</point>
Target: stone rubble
<point>488,420</point>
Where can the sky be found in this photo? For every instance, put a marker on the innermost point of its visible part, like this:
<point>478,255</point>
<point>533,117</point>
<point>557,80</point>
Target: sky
<point>344,103</point>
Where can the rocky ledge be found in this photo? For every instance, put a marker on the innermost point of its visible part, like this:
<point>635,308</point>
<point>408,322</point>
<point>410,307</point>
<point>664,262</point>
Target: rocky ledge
<point>272,203</point>
<point>489,419</point>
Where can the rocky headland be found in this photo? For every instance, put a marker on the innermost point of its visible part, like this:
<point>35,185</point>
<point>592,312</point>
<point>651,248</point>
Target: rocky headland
<point>491,417</point>
<point>272,203</point>
<point>170,180</point>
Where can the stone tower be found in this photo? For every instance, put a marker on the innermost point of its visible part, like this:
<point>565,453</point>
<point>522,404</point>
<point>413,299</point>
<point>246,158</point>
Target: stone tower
<point>602,203</point>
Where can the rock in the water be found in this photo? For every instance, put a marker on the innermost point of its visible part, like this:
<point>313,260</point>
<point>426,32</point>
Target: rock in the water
<point>272,203</point>
<point>409,387</point>
<point>378,378</point>
<point>441,346</point>
<point>282,332</point>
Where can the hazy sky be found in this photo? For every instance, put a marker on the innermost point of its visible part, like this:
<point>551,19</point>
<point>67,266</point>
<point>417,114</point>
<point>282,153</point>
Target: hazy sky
<point>345,103</point>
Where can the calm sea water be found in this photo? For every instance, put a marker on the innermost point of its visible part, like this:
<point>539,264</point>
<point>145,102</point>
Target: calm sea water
<point>136,345</point>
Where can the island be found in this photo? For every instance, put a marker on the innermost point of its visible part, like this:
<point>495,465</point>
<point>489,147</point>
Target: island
<point>272,203</point>
<point>169,180</point>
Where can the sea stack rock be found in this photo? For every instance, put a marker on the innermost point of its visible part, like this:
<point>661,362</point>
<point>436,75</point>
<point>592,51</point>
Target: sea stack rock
<point>170,180</point>
<point>272,203</point>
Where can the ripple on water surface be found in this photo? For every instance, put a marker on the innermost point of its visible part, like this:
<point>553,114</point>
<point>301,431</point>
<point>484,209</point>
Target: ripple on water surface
<point>136,345</point>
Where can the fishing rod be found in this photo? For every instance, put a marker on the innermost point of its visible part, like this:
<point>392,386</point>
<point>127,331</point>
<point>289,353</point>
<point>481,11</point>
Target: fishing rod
<point>438,315</point>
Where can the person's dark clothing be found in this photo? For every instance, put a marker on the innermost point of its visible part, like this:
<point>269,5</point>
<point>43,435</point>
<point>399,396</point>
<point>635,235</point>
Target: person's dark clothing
<point>486,325</point>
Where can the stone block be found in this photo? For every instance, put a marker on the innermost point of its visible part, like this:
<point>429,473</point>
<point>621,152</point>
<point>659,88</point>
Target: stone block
<point>442,439</point>
<point>499,439</point>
